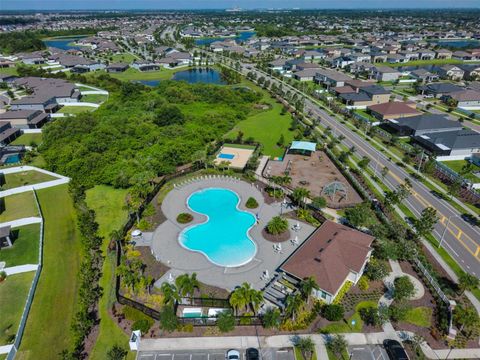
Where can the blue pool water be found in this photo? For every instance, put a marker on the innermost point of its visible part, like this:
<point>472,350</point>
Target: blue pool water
<point>12,159</point>
<point>223,238</point>
<point>226,156</point>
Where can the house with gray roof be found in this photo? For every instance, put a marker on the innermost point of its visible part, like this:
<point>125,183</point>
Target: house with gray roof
<point>450,145</point>
<point>25,119</point>
<point>422,124</point>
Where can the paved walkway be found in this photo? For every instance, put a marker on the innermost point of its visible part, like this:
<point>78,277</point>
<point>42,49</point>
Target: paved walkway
<point>89,104</point>
<point>5,349</point>
<point>20,269</point>
<point>167,249</point>
<point>22,222</point>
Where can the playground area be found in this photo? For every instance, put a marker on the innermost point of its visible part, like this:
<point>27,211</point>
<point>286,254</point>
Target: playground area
<point>317,173</point>
<point>236,156</point>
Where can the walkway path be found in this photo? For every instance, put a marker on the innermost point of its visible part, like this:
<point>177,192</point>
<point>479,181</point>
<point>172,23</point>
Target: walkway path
<point>20,269</point>
<point>22,222</point>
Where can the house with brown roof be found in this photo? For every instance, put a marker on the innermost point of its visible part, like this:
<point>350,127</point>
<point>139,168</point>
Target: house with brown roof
<point>333,255</point>
<point>393,110</point>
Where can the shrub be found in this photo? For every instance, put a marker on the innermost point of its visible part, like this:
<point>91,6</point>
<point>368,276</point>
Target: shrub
<point>398,312</point>
<point>143,325</point>
<point>333,312</point>
<point>363,283</point>
<point>168,319</point>
<point>116,352</point>
<point>404,288</point>
<point>376,270</point>
<point>3,275</point>
<point>251,203</point>
<point>184,218</point>
<point>277,225</point>
<point>226,321</point>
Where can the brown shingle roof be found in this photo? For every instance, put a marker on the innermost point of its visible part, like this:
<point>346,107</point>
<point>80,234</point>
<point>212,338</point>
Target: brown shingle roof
<point>394,108</point>
<point>329,255</point>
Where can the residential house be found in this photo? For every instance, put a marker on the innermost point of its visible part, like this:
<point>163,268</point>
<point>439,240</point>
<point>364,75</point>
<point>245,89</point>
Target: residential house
<point>145,66</point>
<point>426,54</point>
<point>463,55</point>
<point>117,68</point>
<point>277,65</point>
<point>451,145</point>
<point>452,72</point>
<point>443,54</point>
<point>331,78</point>
<point>395,58</point>
<point>7,78</point>
<point>305,75</point>
<point>410,55</point>
<point>378,57</point>
<point>422,124</point>
<point>25,119</point>
<point>8,133</point>
<point>464,99</point>
<point>365,96</point>
<point>424,76</point>
<point>33,58</point>
<point>385,73</point>
<point>393,110</point>
<point>471,72</point>
<point>439,89</point>
<point>79,64</point>
<point>333,255</point>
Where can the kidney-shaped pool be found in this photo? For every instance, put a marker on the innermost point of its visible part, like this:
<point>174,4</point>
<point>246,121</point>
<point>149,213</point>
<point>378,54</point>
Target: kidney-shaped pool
<point>223,238</point>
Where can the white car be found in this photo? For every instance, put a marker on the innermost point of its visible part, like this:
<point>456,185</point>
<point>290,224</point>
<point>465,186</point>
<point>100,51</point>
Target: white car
<point>233,355</point>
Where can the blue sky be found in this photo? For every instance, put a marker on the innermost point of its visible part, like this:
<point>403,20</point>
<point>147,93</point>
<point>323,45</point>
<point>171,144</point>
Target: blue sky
<point>219,4</point>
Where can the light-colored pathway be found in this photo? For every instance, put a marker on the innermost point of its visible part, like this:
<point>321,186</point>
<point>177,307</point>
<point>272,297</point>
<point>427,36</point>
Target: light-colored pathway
<point>5,349</point>
<point>22,222</point>
<point>20,269</point>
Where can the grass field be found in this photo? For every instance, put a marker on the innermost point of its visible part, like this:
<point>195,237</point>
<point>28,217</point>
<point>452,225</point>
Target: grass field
<point>28,139</point>
<point>9,71</point>
<point>424,62</point>
<point>19,206</point>
<point>48,325</point>
<point>123,58</point>
<point>75,109</point>
<point>108,203</point>
<point>266,126</point>
<point>420,316</point>
<point>133,74</point>
<point>13,295</point>
<point>25,246</point>
<point>25,178</point>
<point>94,98</point>
<point>457,166</point>
<point>239,146</point>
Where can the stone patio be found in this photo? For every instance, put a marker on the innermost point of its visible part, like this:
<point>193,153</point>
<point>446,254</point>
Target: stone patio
<point>166,248</point>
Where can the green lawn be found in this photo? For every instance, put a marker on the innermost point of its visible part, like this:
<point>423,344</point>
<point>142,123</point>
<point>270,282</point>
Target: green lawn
<point>365,115</point>
<point>266,127</point>
<point>25,246</point>
<point>9,71</point>
<point>75,109</point>
<point>420,316</point>
<point>13,295</point>
<point>424,62</point>
<point>123,58</point>
<point>28,139</point>
<point>332,356</point>
<point>240,146</point>
<point>25,178</point>
<point>299,355</point>
<point>346,326</point>
<point>48,326</point>
<point>457,165</point>
<point>133,74</point>
<point>19,206</point>
<point>94,98</point>
<point>108,203</point>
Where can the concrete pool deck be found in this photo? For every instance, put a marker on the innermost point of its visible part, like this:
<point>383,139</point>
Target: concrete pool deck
<point>167,249</point>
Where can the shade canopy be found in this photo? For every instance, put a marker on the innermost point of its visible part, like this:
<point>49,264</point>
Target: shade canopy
<point>303,145</point>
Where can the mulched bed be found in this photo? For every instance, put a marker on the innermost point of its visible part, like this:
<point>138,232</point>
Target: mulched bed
<point>158,217</point>
<point>267,198</point>
<point>276,238</point>
<point>154,268</point>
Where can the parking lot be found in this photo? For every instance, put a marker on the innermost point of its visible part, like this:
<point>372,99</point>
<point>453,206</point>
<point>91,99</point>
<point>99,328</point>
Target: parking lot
<point>367,352</point>
<point>266,354</point>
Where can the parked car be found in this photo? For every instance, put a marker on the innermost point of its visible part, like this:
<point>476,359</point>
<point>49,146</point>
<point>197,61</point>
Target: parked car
<point>233,354</point>
<point>252,354</point>
<point>395,350</point>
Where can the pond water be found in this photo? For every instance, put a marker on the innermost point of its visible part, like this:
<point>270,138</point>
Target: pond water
<point>242,36</point>
<point>192,76</point>
<point>63,43</point>
<point>460,43</point>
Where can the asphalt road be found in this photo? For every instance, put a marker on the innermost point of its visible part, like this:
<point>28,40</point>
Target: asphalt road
<point>265,354</point>
<point>461,239</point>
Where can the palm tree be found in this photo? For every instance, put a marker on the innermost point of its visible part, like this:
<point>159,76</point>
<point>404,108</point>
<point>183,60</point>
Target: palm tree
<point>237,300</point>
<point>307,285</point>
<point>187,284</point>
<point>256,299</point>
<point>277,225</point>
<point>170,293</point>
<point>271,318</point>
<point>300,195</point>
<point>293,304</point>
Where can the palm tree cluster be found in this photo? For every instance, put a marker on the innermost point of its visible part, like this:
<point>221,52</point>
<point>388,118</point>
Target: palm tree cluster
<point>245,296</point>
<point>185,286</point>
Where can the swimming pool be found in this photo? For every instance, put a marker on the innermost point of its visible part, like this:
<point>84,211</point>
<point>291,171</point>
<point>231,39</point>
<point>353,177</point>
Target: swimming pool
<point>223,238</point>
<point>12,159</point>
<point>226,156</point>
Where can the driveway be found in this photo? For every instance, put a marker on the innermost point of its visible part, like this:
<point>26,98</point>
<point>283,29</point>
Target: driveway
<point>368,352</point>
<point>217,354</point>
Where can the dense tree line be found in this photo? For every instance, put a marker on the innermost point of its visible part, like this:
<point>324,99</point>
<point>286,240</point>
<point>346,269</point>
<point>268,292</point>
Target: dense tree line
<point>141,133</point>
<point>15,42</point>
<point>89,290</point>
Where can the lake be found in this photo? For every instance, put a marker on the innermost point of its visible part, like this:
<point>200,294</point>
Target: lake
<point>63,43</point>
<point>242,36</point>
<point>192,76</point>
<point>459,43</point>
